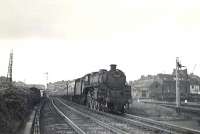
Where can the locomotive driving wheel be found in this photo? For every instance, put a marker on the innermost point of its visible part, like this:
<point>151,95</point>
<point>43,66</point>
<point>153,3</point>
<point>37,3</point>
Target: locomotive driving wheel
<point>97,106</point>
<point>89,100</point>
<point>104,107</point>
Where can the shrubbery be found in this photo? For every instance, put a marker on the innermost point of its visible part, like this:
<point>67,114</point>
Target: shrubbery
<point>15,106</point>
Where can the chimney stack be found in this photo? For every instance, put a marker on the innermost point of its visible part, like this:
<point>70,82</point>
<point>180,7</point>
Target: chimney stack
<point>113,67</point>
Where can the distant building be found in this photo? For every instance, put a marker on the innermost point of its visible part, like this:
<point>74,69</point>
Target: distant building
<point>22,84</point>
<point>194,81</point>
<point>57,88</point>
<point>39,86</point>
<point>19,84</point>
<point>163,86</point>
<point>3,82</point>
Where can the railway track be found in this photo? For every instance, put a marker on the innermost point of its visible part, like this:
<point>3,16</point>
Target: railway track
<point>117,121</point>
<point>184,107</point>
<point>132,121</point>
<point>189,104</point>
<point>163,125</point>
<point>52,122</point>
<point>84,122</point>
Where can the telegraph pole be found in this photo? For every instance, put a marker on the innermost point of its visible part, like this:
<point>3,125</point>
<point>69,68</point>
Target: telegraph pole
<point>9,74</point>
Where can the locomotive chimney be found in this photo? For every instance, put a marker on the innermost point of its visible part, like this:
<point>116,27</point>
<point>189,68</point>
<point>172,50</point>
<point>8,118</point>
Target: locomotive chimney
<point>113,67</point>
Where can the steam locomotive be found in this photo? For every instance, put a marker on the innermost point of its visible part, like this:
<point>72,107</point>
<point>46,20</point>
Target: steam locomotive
<point>103,90</point>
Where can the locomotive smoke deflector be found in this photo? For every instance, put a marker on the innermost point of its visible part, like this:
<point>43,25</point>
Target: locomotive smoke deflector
<point>113,67</point>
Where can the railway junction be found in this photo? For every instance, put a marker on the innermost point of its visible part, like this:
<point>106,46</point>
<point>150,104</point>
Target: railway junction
<point>96,103</point>
<point>62,116</point>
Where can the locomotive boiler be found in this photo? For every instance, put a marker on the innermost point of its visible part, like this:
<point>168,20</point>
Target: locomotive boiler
<point>103,90</point>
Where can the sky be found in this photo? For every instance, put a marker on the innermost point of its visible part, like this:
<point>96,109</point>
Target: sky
<point>70,38</point>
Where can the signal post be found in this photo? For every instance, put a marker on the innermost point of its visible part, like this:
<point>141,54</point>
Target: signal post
<point>178,98</point>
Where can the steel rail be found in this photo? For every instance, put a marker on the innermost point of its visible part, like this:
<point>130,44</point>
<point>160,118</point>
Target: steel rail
<point>150,123</point>
<point>134,122</point>
<point>35,128</point>
<point>129,121</point>
<point>165,125</point>
<point>70,122</point>
<point>105,125</point>
<point>195,108</point>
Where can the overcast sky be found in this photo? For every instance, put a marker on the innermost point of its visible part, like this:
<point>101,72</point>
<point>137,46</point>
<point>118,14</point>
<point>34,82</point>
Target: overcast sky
<point>69,38</point>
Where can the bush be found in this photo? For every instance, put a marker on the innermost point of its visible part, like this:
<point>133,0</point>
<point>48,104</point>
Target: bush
<point>15,106</point>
